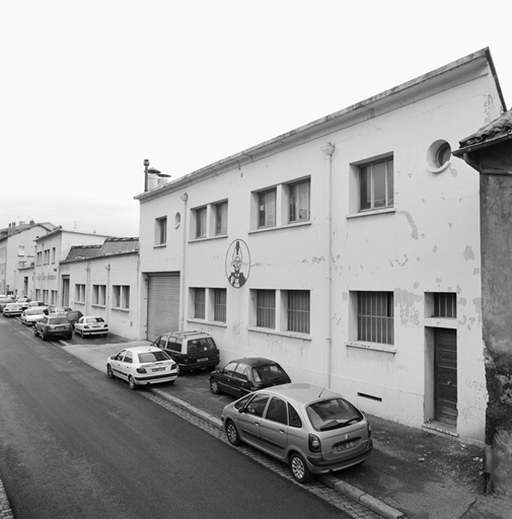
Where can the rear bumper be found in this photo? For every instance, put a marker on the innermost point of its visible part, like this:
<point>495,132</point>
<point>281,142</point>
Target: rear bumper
<point>318,465</point>
<point>94,332</point>
<point>155,379</point>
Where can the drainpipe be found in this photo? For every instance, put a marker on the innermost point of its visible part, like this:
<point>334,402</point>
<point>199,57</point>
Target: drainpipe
<point>328,152</point>
<point>184,198</point>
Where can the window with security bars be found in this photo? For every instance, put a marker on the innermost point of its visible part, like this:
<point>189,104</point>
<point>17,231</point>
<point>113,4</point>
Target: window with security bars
<point>219,305</point>
<point>200,303</point>
<point>266,308</point>
<point>375,317</point>
<point>445,304</point>
<point>298,311</point>
<point>376,185</point>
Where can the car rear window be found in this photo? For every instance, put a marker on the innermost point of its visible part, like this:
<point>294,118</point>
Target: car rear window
<point>59,320</point>
<point>201,345</point>
<point>268,373</point>
<point>153,356</point>
<point>332,413</point>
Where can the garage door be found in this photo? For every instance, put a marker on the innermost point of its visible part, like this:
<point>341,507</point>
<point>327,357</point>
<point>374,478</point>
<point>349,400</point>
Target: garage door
<point>163,304</point>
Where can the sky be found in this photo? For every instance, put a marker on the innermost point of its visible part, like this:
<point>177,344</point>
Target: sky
<point>92,88</point>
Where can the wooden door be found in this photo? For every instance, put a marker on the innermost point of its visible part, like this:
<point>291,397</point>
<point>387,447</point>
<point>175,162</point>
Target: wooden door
<point>446,376</point>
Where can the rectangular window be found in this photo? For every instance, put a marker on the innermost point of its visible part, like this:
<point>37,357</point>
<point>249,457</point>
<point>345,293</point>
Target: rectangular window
<point>99,295</point>
<point>161,230</point>
<point>121,296</point>
<point>266,308</point>
<point>267,208</point>
<point>39,258</point>
<point>47,256</point>
<point>221,218</point>
<point>445,304</point>
<point>54,254</point>
<point>298,311</point>
<point>79,294</point>
<point>219,305</point>
<point>200,215</point>
<point>376,185</point>
<point>299,201</point>
<point>199,303</point>
<point>21,251</point>
<point>375,317</point>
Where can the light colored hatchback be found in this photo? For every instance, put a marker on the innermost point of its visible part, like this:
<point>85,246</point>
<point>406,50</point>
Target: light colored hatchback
<point>313,429</point>
<point>142,365</point>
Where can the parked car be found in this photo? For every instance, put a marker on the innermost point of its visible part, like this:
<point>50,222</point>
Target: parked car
<point>4,301</point>
<point>12,309</point>
<point>313,429</point>
<point>23,301</point>
<point>54,309</point>
<point>192,350</point>
<point>53,326</point>
<point>31,315</point>
<point>242,376</point>
<point>142,365</point>
<point>36,303</point>
<point>91,325</point>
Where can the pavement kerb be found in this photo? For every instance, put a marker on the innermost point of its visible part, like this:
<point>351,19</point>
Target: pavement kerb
<point>358,495</point>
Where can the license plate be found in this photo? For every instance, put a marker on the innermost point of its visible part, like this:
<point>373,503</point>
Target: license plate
<point>60,327</point>
<point>202,360</point>
<point>346,446</point>
<point>158,369</point>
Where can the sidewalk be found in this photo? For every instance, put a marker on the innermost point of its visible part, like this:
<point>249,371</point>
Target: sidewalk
<point>411,473</point>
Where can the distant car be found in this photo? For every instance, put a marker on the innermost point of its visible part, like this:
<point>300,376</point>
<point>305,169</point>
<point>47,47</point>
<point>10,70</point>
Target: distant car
<point>12,309</point>
<point>313,429</point>
<point>142,365</point>
<point>192,350</point>
<point>4,301</point>
<point>242,376</point>
<point>54,309</point>
<point>53,326</point>
<point>31,315</point>
<point>91,325</point>
<point>36,303</point>
<point>23,301</point>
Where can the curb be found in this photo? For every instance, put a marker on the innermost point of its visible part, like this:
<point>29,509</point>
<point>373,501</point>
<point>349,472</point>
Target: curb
<point>354,493</point>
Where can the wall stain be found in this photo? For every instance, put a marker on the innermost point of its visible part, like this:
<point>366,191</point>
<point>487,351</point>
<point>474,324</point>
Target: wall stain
<point>414,228</point>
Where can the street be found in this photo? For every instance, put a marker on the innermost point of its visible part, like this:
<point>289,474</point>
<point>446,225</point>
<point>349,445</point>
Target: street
<point>75,444</point>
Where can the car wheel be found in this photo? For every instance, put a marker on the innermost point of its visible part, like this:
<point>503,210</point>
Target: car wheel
<point>299,468</point>
<point>35,331</point>
<point>110,373</point>
<point>232,433</point>
<point>44,336</point>
<point>214,387</point>
<point>68,337</point>
<point>131,383</point>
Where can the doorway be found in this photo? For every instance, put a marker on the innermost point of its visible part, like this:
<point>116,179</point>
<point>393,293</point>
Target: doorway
<point>445,375</point>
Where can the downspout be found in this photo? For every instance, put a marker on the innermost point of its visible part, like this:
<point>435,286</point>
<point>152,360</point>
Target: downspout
<point>328,152</point>
<point>184,198</point>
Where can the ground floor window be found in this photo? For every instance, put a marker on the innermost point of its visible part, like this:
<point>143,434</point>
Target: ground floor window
<point>298,311</point>
<point>121,296</point>
<point>219,305</point>
<point>199,303</point>
<point>375,317</point>
<point>79,294</point>
<point>266,308</point>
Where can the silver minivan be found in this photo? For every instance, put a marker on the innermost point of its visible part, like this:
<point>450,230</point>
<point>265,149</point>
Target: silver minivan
<point>313,429</point>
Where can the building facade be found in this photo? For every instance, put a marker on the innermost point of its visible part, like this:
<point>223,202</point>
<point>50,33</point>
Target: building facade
<point>104,280</point>
<point>51,248</point>
<point>346,249</point>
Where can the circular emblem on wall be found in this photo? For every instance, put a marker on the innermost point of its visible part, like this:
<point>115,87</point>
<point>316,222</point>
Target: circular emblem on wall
<point>238,263</point>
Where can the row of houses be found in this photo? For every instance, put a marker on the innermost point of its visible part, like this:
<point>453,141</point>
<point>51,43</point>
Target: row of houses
<point>348,249</point>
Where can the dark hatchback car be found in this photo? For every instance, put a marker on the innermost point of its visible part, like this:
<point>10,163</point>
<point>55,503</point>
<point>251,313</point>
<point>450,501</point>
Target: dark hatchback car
<point>242,376</point>
<point>53,326</point>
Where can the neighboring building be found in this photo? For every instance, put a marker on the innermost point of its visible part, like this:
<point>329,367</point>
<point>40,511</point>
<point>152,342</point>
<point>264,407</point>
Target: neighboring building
<point>17,251</point>
<point>489,151</point>
<point>51,249</point>
<point>346,249</point>
<point>103,279</point>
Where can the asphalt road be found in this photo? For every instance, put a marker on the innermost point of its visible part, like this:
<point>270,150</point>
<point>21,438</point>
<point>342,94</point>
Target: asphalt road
<point>76,444</point>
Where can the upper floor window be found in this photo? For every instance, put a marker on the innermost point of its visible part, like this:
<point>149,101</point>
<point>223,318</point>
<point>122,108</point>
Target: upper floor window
<point>299,200</point>
<point>161,230</point>
<point>375,317</point>
<point>267,208</point>
<point>221,218</point>
<point>54,254</point>
<point>200,216</point>
<point>376,184</point>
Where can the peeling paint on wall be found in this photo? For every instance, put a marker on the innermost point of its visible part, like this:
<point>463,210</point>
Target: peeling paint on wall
<point>414,228</point>
<point>468,253</point>
<point>408,307</point>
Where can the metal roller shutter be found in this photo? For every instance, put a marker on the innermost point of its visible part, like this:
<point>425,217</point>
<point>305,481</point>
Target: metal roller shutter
<point>163,304</point>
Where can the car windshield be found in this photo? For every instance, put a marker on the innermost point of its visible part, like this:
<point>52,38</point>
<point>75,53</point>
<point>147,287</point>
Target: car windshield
<point>153,356</point>
<point>34,311</point>
<point>332,413</point>
<point>268,373</point>
<point>95,320</point>
<point>59,320</point>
